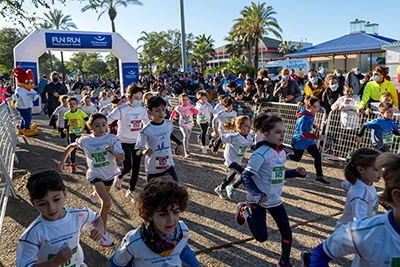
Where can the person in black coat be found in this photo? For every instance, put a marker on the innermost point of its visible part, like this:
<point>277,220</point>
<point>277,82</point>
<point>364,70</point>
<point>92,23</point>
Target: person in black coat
<point>52,91</point>
<point>332,93</point>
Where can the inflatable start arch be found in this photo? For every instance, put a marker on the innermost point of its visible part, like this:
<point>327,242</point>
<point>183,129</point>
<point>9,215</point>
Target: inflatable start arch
<point>28,51</point>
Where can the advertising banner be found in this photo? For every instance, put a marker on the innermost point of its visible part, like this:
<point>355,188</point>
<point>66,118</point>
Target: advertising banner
<point>78,41</point>
<point>130,73</point>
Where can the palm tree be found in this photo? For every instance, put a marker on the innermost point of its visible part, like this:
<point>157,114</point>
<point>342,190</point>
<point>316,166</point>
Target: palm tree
<point>56,20</point>
<point>257,20</point>
<point>204,50</point>
<point>110,6</point>
<point>285,47</point>
<point>235,47</point>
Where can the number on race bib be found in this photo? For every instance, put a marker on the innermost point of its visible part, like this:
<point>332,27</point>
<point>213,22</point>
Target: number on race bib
<point>375,210</point>
<point>71,262</point>
<point>162,163</point>
<point>242,151</point>
<point>77,130</point>
<point>187,120</point>
<point>202,118</point>
<point>100,159</point>
<point>229,118</point>
<point>395,262</point>
<point>387,140</point>
<point>135,126</point>
<point>278,174</point>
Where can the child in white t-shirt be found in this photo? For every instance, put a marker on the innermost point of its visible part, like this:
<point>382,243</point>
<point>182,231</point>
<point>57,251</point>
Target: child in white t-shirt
<point>375,241</point>
<point>154,142</point>
<point>163,93</point>
<point>104,100</point>
<point>44,241</point>
<point>224,116</point>
<point>257,125</point>
<point>219,107</point>
<point>203,118</point>
<point>87,106</point>
<point>161,240</point>
<point>78,95</point>
<point>101,150</point>
<point>236,146</point>
<point>185,111</point>
<point>58,115</point>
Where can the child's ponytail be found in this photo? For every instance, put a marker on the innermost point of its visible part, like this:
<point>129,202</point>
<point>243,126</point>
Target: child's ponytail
<point>362,157</point>
<point>235,124</point>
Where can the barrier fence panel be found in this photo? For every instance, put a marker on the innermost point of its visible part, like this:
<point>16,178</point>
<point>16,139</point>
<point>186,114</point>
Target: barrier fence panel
<point>8,137</point>
<point>342,128</point>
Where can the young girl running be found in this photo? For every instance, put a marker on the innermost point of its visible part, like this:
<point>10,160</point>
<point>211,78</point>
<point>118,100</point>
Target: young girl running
<point>236,146</point>
<point>375,241</point>
<point>205,110</point>
<point>58,115</point>
<point>163,93</point>
<point>101,150</point>
<point>263,178</point>
<point>224,116</point>
<point>87,106</point>
<point>104,100</point>
<point>186,112</point>
<point>257,125</point>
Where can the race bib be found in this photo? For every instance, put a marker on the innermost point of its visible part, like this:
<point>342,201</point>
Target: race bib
<point>100,159</point>
<point>187,120</point>
<point>71,263</point>
<point>395,262</point>
<point>202,118</point>
<point>162,163</point>
<point>77,130</point>
<point>135,126</point>
<point>278,174</point>
<point>229,118</point>
<point>242,151</point>
<point>387,140</point>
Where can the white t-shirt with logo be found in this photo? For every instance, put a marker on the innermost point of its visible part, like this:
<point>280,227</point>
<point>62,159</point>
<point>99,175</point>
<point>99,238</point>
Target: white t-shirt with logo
<point>185,115</point>
<point>348,115</point>
<point>130,121</point>
<point>219,108</point>
<point>268,167</point>
<point>89,110</point>
<point>375,242</point>
<point>236,147</point>
<point>158,139</point>
<point>103,103</point>
<point>222,118</point>
<point>205,112</point>
<point>133,248</point>
<point>42,240</point>
<point>361,203</point>
<point>60,112</point>
<point>101,164</point>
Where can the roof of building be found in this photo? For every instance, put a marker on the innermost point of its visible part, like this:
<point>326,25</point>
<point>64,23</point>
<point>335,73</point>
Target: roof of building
<point>270,42</point>
<point>354,42</point>
<point>392,45</point>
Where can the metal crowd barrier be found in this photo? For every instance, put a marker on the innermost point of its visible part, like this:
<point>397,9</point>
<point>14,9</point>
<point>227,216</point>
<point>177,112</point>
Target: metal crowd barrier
<point>8,142</point>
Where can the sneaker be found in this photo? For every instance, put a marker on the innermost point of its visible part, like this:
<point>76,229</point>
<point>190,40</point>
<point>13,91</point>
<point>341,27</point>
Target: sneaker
<point>346,186</point>
<point>94,197</point>
<point>199,140</point>
<point>322,180</point>
<point>54,133</point>
<point>221,193</point>
<point>106,241</point>
<point>131,195</point>
<point>305,259</point>
<point>231,192</point>
<point>286,264</point>
<point>204,150</point>
<point>187,155</point>
<point>211,144</point>
<point>73,167</point>
<point>117,184</point>
<point>290,156</point>
<point>239,213</point>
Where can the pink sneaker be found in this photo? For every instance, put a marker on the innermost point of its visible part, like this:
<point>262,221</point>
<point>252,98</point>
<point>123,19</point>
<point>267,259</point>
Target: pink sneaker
<point>286,264</point>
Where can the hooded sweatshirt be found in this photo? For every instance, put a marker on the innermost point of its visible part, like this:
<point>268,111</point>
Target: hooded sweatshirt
<point>303,138</point>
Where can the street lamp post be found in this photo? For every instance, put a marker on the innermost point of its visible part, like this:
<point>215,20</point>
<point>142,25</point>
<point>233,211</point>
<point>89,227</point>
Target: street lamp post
<point>183,35</point>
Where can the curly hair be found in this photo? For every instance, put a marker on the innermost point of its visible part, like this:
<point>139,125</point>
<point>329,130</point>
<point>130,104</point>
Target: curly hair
<point>236,123</point>
<point>329,78</point>
<point>161,192</point>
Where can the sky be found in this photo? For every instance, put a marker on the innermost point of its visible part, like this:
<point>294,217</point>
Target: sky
<point>314,21</point>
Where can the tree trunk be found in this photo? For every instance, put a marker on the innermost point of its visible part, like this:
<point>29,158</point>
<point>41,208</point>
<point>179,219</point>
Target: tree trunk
<point>256,56</point>
<point>116,59</point>
<point>51,62</point>
<point>62,66</point>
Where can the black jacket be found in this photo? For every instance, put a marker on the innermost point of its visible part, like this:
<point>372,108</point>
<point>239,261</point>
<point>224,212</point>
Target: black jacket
<point>50,88</point>
<point>329,97</point>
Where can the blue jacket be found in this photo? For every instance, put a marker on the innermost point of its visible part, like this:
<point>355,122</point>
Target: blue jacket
<point>381,128</point>
<point>302,138</point>
<point>226,81</point>
<point>239,82</point>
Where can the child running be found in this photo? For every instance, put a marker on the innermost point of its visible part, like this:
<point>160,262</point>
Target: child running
<point>303,139</point>
<point>236,146</point>
<point>263,178</point>
<point>203,118</point>
<point>52,239</point>
<point>224,116</point>
<point>130,118</point>
<point>104,100</point>
<point>75,118</point>
<point>161,241</point>
<point>382,129</point>
<point>375,241</point>
<point>257,125</point>
<point>219,107</point>
<point>163,93</point>
<point>154,142</point>
<point>185,111</point>
<point>78,95</point>
<point>87,106</point>
<point>101,150</point>
<point>58,115</point>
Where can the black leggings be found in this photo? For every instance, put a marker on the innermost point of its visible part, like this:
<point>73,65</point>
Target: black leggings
<point>61,131</point>
<point>313,151</point>
<point>234,169</point>
<point>131,159</point>
<point>71,139</point>
<point>203,128</point>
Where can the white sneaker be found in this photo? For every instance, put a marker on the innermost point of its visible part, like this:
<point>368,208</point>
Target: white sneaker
<point>199,140</point>
<point>131,195</point>
<point>106,241</point>
<point>94,197</point>
<point>204,150</point>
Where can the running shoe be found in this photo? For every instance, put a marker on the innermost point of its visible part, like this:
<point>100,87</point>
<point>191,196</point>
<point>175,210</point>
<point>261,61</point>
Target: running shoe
<point>106,241</point>
<point>282,264</point>
<point>73,167</point>
<point>322,180</point>
<point>346,186</point>
<point>305,259</point>
<point>204,150</point>
<point>221,193</point>
<point>94,197</point>
<point>131,195</point>
<point>231,192</point>
<point>117,184</point>
<point>239,213</point>
<point>54,133</point>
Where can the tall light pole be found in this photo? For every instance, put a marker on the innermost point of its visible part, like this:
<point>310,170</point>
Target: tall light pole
<point>183,35</point>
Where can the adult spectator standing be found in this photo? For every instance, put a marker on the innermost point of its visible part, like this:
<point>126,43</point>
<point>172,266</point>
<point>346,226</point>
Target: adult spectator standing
<point>322,72</point>
<point>293,76</point>
<point>268,85</point>
<point>286,90</point>
<point>301,77</point>
<point>374,89</point>
<point>234,90</point>
<point>262,95</point>
<point>339,74</point>
<point>249,90</point>
<point>78,84</point>
<point>185,77</point>
<point>314,86</point>
<point>226,79</point>
<point>52,91</point>
<point>217,86</point>
<point>43,82</point>
<point>332,93</point>
<point>363,82</point>
<point>209,75</point>
<point>9,89</point>
<point>358,74</point>
<point>239,80</point>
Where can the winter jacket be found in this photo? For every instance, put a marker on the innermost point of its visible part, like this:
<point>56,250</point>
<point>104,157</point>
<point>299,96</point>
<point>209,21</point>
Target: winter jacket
<point>329,97</point>
<point>317,92</point>
<point>292,88</point>
<point>373,92</point>
<point>303,138</point>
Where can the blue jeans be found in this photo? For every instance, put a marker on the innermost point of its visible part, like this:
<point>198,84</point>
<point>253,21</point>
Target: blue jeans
<point>26,118</point>
<point>256,220</point>
<point>170,170</point>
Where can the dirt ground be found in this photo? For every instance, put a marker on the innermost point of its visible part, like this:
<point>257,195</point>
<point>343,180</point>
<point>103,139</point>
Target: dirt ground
<point>214,235</point>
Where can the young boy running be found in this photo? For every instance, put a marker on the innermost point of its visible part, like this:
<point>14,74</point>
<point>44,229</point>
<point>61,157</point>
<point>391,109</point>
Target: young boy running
<point>53,238</point>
